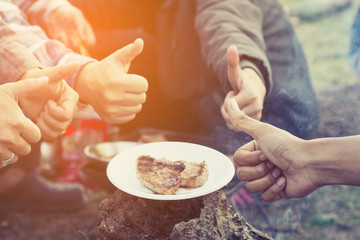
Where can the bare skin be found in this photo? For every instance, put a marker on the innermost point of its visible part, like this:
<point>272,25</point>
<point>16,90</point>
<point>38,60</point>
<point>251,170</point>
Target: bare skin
<point>114,94</point>
<point>281,165</point>
<point>18,132</point>
<point>248,89</point>
<point>54,106</point>
<point>69,25</point>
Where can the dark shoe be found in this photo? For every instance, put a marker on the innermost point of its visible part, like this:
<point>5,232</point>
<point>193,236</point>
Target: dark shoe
<point>37,193</point>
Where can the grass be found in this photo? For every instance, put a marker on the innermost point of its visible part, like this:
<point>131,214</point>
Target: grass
<point>326,45</point>
<point>331,212</point>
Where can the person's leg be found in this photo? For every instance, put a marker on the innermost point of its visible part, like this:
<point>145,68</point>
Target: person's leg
<point>13,174</point>
<point>292,104</point>
<point>23,188</point>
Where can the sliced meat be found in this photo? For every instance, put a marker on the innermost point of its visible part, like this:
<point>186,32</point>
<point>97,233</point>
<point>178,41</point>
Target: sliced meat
<point>195,174</point>
<point>161,176</point>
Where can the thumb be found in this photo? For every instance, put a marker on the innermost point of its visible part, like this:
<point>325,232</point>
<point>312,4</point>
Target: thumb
<point>59,72</point>
<point>126,54</point>
<point>25,87</point>
<point>241,121</point>
<point>234,71</point>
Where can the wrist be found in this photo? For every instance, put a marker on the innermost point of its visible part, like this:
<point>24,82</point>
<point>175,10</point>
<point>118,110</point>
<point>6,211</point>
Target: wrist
<point>325,162</point>
<point>84,81</point>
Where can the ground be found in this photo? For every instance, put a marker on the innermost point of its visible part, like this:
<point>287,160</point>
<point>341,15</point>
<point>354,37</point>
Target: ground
<point>332,212</point>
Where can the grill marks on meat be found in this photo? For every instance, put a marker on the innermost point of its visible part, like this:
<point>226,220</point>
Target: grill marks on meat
<point>161,176</point>
<point>194,175</point>
<point>165,177</point>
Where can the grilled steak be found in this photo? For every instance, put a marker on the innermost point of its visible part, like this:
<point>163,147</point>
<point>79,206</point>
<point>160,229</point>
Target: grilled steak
<point>161,176</point>
<point>195,174</point>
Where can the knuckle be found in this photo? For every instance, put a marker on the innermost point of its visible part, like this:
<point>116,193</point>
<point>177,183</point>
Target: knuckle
<point>262,169</point>
<point>239,173</point>
<point>25,149</point>
<point>250,187</point>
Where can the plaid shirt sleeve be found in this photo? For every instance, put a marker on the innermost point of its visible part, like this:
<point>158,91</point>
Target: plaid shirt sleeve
<point>48,52</point>
<point>16,59</point>
<point>38,10</point>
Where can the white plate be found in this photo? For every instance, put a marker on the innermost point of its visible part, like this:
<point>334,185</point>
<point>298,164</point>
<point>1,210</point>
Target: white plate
<point>121,170</point>
<point>107,150</point>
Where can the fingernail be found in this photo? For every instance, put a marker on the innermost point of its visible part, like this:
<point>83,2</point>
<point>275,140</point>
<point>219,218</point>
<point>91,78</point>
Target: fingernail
<point>280,182</point>
<point>276,173</point>
<point>233,106</point>
<point>262,157</point>
<point>270,165</point>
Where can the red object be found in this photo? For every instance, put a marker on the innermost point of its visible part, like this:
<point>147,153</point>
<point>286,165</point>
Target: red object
<point>72,144</point>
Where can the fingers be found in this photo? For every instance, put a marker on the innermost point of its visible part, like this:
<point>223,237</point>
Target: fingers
<point>225,114</point>
<point>87,34</point>
<point>247,158</point>
<point>66,105</point>
<point>241,121</point>
<point>126,54</point>
<point>25,87</point>
<point>276,191</point>
<point>136,84</point>
<point>5,155</point>
<point>54,116</point>
<point>29,131</point>
<point>60,72</point>
<point>265,182</point>
<point>57,116</point>
<point>234,70</point>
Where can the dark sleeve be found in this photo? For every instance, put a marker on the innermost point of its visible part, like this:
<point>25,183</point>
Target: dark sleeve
<point>15,59</point>
<point>220,24</point>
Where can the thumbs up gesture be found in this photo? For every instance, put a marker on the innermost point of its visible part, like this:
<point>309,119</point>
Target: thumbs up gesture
<point>53,106</point>
<point>17,131</point>
<point>275,162</point>
<point>114,94</point>
<point>248,89</point>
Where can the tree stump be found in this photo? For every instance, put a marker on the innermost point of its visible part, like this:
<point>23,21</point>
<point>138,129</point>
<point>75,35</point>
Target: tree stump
<point>123,216</point>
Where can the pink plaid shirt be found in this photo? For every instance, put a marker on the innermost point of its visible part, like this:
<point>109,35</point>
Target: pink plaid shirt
<point>47,51</point>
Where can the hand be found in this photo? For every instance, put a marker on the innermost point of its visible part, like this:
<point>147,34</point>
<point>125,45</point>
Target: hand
<point>115,95</point>
<point>68,25</point>
<point>248,89</point>
<point>52,107</point>
<point>17,131</point>
<point>35,103</point>
<point>57,116</point>
<point>275,163</point>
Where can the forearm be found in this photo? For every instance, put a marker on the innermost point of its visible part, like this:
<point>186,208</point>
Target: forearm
<point>335,161</point>
<point>229,22</point>
<point>38,10</point>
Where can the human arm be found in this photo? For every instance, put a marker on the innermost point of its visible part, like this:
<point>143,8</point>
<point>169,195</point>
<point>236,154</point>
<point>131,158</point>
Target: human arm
<point>17,131</point>
<point>60,20</point>
<point>114,94</point>
<point>281,165</point>
<point>220,24</point>
<point>251,100</point>
<point>15,57</point>
<point>232,44</point>
<point>18,63</point>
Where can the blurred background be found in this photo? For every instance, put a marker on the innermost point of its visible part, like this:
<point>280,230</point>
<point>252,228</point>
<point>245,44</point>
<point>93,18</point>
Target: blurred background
<point>332,212</point>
